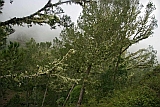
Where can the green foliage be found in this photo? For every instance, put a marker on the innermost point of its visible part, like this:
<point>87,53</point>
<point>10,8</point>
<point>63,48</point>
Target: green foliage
<point>92,54</point>
<point>2,38</point>
<point>12,57</point>
<point>16,100</point>
<point>60,101</point>
<point>101,38</point>
<point>152,80</point>
<point>75,94</point>
<point>157,68</point>
<point>140,96</point>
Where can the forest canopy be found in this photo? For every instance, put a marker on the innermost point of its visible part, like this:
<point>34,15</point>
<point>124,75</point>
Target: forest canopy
<point>88,64</point>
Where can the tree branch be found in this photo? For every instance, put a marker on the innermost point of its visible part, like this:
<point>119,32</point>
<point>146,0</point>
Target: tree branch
<point>28,19</point>
<point>15,20</point>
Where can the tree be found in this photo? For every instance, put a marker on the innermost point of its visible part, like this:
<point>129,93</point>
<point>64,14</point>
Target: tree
<point>51,14</point>
<point>104,33</point>
<point>33,70</point>
<point>46,15</point>
<point>92,54</point>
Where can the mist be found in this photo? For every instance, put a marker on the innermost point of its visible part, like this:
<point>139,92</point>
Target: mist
<point>21,8</point>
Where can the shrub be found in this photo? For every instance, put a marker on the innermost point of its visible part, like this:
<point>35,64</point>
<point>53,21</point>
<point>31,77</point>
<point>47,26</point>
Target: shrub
<point>140,96</point>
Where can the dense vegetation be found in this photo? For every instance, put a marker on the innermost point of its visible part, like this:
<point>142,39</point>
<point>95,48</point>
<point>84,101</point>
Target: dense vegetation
<point>88,65</point>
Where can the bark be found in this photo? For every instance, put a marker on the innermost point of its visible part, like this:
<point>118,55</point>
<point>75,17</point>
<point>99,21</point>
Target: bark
<point>15,20</point>
<point>68,95</point>
<point>44,97</point>
<point>83,87</point>
<point>81,95</point>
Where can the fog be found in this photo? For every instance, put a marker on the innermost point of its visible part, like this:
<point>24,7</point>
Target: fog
<point>21,8</point>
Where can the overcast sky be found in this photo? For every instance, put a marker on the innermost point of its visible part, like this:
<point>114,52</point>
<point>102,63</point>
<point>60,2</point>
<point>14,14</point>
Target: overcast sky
<point>21,8</point>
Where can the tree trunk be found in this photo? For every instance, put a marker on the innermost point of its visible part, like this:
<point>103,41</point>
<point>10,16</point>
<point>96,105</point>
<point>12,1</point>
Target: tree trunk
<point>81,95</point>
<point>83,87</point>
<point>117,65</point>
<point>69,95</point>
<point>44,97</point>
